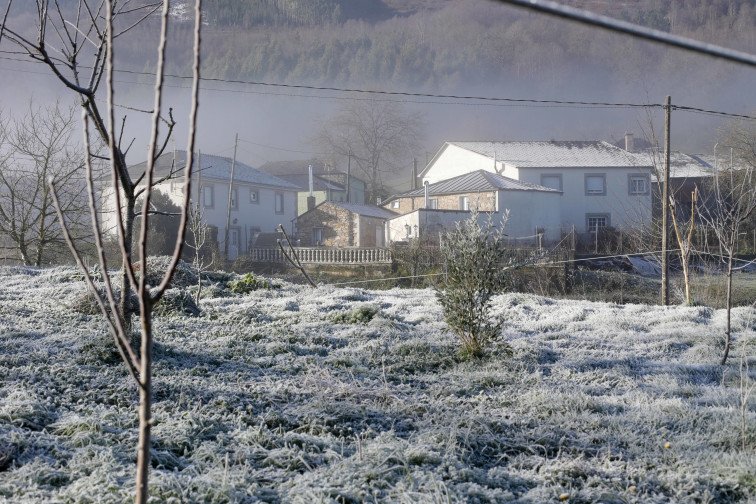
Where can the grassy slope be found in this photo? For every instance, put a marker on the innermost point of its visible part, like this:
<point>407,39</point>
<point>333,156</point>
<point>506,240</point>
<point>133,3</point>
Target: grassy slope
<point>283,395</point>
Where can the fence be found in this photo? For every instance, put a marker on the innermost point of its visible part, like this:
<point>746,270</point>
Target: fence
<point>326,255</point>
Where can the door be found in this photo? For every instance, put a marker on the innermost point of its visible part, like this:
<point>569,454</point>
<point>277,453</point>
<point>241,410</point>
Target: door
<point>233,243</point>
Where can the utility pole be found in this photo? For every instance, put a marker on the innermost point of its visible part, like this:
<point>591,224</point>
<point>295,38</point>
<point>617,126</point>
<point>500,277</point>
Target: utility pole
<point>349,175</point>
<point>230,188</point>
<point>665,205</point>
<point>199,180</point>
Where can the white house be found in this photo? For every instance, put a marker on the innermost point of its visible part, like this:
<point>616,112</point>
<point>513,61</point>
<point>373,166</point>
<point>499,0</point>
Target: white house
<point>259,201</point>
<point>601,185</point>
<point>533,210</point>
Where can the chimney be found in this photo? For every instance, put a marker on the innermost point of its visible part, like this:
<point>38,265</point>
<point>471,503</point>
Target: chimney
<point>348,178</point>
<point>311,183</point>
<point>629,143</point>
<point>427,195</point>
<point>414,174</point>
<point>378,201</point>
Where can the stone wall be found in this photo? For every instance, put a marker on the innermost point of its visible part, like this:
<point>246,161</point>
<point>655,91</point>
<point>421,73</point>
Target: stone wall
<point>338,226</point>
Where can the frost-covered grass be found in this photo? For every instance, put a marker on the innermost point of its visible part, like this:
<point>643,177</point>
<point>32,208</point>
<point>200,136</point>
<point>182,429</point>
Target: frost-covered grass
<point>351,395</point>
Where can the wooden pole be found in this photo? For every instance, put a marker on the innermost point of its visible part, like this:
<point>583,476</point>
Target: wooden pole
<point>665,205</point>
<point>230,188</point>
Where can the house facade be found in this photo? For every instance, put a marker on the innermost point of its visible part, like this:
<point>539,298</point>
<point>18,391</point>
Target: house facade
<point>602,185</point>
<point>531,211</point>
<point>259,202</point>
<point>340,224</point>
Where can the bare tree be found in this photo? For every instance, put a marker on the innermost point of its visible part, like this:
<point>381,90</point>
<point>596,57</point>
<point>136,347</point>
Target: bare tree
<point>73,40</point>
<point>379,137</point>
<point>100,33</point>
<point>199,232</point>
<point>732,202</point>
<point>35,149</point>
<point>685,241</point>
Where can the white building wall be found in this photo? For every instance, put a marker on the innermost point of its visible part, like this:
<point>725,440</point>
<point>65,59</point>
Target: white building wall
<point>531,210</point>
<point>454,161</point>
<point>624,210</point>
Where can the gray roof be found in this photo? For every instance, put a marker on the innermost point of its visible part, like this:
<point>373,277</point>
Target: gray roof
<point>216,167</point>
<point>476,181</point>
<point>366,210</point>
<point>554,153</point>
<point>683,165</point>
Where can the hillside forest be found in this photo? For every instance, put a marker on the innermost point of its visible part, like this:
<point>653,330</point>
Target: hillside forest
<point>446,45</point>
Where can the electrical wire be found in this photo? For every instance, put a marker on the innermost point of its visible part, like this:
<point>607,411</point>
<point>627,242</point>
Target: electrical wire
<point>462,100</point>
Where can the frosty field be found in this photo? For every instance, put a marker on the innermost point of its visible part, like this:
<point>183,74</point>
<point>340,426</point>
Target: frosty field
<point>351,395</point>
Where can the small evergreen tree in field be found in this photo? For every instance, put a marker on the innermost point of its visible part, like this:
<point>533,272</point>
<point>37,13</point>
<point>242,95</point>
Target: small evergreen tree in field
<point>474,258</point>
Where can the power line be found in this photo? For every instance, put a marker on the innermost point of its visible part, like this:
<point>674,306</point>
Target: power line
<point>484,100</point>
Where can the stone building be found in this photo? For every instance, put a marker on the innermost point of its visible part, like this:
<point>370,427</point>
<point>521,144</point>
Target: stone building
<point>339,224</point>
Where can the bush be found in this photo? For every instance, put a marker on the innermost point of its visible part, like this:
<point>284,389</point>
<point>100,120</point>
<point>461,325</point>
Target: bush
<point>360,314</point>
<point>474,258</point>
<point>247,284</point>
<point>176,302</point>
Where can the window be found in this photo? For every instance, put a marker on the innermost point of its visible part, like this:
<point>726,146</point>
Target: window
<point>596,222</point>
<point>464,202</point>
<point>279,203</point>
<point>208,196</point>
<point>395,204</point>
<point>552,181</point>
<point>317,236</point>
<point>254,196</point>
<point>234,199</point>
<point>637,184</point>
<point>433,203</point>
<point>595,184</point>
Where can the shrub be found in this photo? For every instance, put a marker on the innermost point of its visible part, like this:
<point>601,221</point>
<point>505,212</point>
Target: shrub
<point>247,284</point>
<point>360,314</point>
<point>176,302</point>
<point>474,258</point>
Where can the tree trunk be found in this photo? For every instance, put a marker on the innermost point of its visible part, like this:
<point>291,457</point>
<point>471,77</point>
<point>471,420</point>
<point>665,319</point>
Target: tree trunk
<point>686,275</point>
<point>145,404</point>
<point>126,307</point>
<point>729,306</point>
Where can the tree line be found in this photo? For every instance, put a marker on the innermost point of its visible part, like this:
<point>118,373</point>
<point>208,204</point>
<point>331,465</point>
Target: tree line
<point>456,44</point>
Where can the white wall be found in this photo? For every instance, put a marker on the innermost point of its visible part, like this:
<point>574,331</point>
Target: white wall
<point>529,210</point>
<point>624,210</point>
<point>453,161</point>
